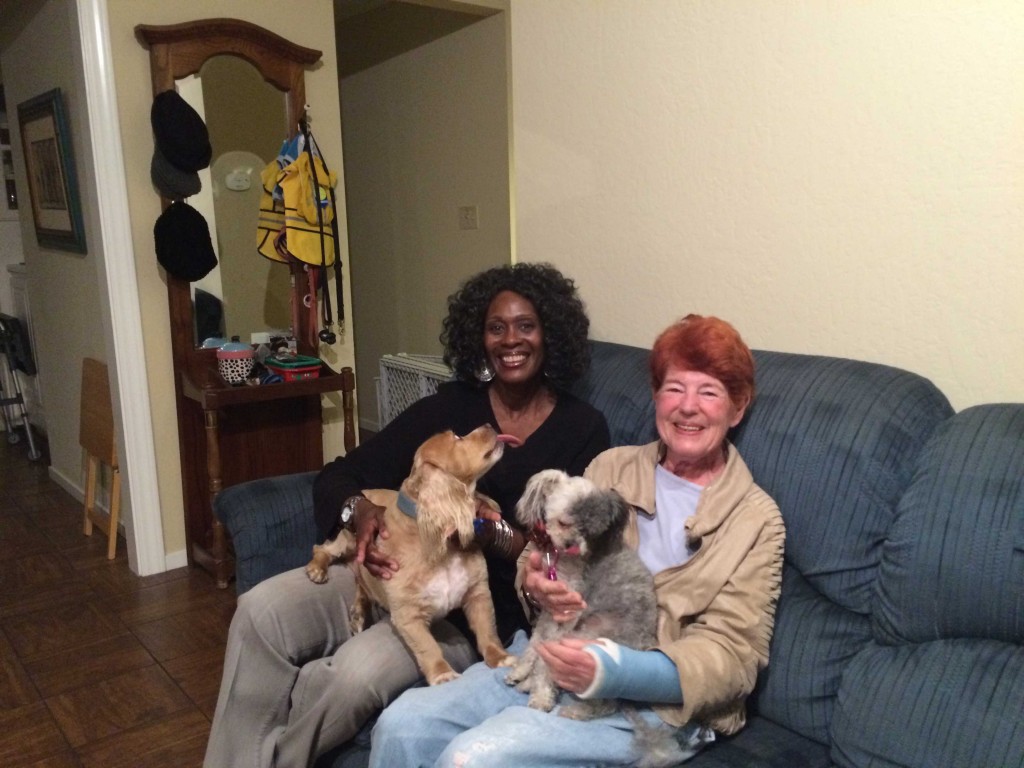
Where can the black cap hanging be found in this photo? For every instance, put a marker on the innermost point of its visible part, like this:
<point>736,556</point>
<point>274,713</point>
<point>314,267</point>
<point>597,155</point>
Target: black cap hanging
<point>180,132</point>
<point>183,244</point>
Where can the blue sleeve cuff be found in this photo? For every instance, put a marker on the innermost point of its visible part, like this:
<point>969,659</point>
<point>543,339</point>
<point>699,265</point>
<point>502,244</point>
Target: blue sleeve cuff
<point>623,673</point>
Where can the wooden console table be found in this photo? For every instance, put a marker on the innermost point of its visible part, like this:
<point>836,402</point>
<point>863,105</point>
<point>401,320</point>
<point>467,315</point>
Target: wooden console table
<point>233,434</point>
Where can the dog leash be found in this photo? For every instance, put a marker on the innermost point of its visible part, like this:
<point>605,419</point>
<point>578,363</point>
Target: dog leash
<point>543,541</point>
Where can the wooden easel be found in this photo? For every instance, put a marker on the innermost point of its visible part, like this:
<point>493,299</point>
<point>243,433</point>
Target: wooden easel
<point>96,436</point>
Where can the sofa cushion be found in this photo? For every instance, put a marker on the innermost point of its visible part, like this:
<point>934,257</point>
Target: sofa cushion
<point>271,525</point>
<point>762,744</point>
<point>618,385</point>
<point>953,565</point>
<point>950,703</point>
<point>814,640</point>
<point>834,443</point>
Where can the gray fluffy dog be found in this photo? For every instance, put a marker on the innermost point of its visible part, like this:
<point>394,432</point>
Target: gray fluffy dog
<point>615,584</point>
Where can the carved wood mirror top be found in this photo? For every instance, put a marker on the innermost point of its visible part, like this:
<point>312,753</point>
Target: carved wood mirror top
<point>177,50</point>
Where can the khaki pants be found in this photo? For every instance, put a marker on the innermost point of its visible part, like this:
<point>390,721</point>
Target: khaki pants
<point>296,683</point>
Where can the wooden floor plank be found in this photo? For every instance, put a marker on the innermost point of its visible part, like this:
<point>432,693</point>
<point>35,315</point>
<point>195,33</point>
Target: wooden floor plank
<point>98,666</point>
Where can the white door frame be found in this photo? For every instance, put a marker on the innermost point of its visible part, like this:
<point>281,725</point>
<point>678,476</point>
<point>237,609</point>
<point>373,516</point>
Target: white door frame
<point>144,528</point>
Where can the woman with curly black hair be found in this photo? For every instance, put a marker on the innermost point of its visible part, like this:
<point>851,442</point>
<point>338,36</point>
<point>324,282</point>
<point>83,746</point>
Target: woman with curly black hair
<point>554,299</point>
<point>296,684</point>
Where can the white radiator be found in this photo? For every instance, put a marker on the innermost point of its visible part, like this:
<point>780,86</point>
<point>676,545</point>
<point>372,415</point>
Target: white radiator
<point>404,379</point>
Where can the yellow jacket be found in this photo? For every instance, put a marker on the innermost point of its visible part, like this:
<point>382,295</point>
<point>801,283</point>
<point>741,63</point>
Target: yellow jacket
<point>310,239</point>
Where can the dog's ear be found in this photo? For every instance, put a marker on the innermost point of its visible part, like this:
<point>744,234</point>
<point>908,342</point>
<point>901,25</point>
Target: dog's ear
<point>531,506</point>
<point>444,506</point>
<point>432,451</point>
<point>601,518</point>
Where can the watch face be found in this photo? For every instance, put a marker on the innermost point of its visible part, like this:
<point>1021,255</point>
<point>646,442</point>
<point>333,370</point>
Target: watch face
<point>348,510</point>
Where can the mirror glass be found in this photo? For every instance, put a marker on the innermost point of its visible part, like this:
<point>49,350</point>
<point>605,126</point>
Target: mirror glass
<point>247,121</point>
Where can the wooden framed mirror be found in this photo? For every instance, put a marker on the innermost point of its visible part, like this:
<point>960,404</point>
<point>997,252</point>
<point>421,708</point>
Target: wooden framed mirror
<point>178,51</point>
<point>231,434</point>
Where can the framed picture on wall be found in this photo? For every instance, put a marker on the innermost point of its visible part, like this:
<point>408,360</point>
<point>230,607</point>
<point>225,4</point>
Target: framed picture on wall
<point>50,166</point>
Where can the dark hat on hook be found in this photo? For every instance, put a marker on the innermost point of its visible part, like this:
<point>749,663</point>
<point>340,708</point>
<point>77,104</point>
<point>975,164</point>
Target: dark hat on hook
<point>180,132</point>
<point>171,182</point>
<point>183,245</point>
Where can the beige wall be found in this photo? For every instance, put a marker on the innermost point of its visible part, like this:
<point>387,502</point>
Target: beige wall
<point>836,178</point>
<point>313,28</point>
<point>425,133</point>
<point>68,305</point>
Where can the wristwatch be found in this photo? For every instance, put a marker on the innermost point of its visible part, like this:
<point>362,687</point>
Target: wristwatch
<point>348,510</point>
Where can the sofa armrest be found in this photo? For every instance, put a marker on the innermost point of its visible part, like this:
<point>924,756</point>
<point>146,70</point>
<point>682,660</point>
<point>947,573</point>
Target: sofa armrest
<point>271,525</point>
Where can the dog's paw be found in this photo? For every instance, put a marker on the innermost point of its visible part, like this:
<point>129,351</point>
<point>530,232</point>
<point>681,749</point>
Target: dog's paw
<point>316,569</point>
<point>520,673</point>
<point>444,677</point>
<point>496,656</point>
<point>515,676</point>
<point>524,686</point>
<point>316,574</point>
<point>543,699</point>
<point>437,671</point>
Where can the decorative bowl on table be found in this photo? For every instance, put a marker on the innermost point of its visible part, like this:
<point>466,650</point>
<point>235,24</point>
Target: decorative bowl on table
<point>235,361</point>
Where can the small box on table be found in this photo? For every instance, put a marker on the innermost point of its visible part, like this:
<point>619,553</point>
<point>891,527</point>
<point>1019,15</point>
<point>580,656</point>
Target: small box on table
<point>294,367</point>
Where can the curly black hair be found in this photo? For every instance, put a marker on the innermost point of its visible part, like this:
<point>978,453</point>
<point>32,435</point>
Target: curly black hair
<point>563,319</point>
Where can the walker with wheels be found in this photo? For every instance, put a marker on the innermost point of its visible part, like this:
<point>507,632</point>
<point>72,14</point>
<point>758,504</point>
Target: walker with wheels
<point>14,346</point>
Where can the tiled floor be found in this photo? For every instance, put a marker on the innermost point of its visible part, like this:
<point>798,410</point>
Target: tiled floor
<point>98,667</point>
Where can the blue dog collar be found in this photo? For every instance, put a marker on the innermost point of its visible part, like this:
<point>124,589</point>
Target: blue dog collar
<point>407,505</point>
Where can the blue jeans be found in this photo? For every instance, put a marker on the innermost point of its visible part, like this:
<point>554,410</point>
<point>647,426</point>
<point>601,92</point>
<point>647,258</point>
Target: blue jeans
<point>478,721</point>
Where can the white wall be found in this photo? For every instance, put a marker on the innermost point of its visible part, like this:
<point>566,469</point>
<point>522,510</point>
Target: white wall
<point>836,178</point>
<point>11,252</point>
<point>10,230</point>
<point>425,133</point>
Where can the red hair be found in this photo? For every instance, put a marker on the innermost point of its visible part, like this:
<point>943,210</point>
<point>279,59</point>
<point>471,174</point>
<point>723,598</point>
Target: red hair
<point>708,345</point>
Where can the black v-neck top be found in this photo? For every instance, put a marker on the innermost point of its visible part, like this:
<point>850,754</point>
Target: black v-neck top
<point>571,436</point>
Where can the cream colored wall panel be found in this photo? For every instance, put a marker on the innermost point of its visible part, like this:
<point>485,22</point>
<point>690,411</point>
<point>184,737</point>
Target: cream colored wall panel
<point>425,133</point>
<point>833,178</point>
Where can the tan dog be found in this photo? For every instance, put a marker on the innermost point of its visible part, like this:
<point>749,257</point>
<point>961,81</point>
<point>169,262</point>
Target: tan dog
<point>430,534</point>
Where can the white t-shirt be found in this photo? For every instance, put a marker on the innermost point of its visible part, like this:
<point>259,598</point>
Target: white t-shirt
<point>663,537</point>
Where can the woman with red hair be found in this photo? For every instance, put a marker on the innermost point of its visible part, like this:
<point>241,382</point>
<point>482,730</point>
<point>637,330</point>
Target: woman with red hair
<point>713,541</point>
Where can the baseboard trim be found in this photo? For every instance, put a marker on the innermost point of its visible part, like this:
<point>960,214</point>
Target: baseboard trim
<point>78,493</point>
<point>172,560</point>
<point>177,559</point>
<point>64,482</point>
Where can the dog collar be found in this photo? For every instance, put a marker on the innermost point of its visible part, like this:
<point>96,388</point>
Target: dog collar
<point>407,505</point>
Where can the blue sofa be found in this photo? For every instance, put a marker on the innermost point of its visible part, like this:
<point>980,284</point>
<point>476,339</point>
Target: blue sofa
<point>899,638</point>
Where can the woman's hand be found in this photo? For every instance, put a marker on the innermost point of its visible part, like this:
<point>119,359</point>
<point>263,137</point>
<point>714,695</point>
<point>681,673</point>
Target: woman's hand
<point>571,667</point>
<point>495,536</point>
<point>487,508</point>
<point>555,597</point>
<point>368,522</point>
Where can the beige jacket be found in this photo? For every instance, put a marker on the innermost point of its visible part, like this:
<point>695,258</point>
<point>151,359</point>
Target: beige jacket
<point>717,610</point>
